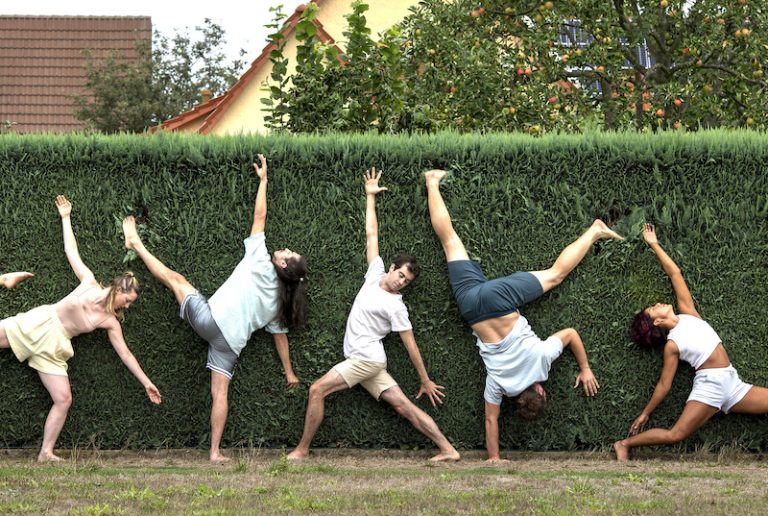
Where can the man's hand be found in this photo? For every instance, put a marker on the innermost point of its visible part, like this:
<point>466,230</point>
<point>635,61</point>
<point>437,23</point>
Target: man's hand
<point>261,171</point>
<point>588,380</point>
<point>291,381</point>
<point>64,206</point>
<point>433,391</point>
<point>371,180</point>
<point>649,234</point>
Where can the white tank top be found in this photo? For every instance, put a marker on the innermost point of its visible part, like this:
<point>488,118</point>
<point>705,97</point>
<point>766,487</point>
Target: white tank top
<point>695,339</point>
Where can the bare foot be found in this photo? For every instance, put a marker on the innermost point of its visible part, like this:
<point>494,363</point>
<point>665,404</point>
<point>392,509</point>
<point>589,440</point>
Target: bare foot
<point>11,279</point>
<point>434,176</point>
<point>297,455</point>
<point>218,458</point>
<point>130,233</point>
<point>603,231</point>
<point>622,451</point>
<point>452,456</point>
<point>497,461</point>
<point>48,457</point>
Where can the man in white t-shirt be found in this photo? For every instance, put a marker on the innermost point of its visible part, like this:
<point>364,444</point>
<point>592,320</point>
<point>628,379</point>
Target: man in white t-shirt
<point>378,310</point>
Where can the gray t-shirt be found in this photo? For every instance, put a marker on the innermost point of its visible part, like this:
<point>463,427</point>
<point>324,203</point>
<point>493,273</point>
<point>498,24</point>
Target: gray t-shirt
<point>247,301</point>
<point>517,362</point>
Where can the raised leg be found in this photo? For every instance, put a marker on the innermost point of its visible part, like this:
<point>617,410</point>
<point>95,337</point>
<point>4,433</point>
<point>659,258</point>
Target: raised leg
<point>168,277</point>
<point>219,409</point>
<point>11,279</point>
<point>61,394</point>
<point>421,421</point>
<point>694,415</point>
<point>441,219</point>
<point>572,255</point>
<point>330,382</point>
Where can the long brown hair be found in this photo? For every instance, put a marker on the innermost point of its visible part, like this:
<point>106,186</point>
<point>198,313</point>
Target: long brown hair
<point>126,282</point>
<point>292,293</point>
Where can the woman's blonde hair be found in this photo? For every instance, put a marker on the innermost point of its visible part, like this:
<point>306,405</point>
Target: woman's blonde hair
<point>126,282</point>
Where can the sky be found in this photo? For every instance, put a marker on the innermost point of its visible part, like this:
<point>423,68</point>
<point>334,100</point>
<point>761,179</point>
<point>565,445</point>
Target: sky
<point>243,26</point>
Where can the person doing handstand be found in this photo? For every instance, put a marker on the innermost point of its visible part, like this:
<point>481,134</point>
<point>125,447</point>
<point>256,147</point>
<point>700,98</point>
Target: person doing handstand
<point>262,292</point>
<point>378,310</point>
<point>516,360</point>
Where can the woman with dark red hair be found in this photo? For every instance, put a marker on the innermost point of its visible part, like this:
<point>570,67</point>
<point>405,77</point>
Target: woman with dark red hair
<point>686,336</point>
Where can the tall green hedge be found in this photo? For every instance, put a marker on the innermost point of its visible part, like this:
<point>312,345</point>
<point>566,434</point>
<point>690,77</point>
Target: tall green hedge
<point>516,202</point>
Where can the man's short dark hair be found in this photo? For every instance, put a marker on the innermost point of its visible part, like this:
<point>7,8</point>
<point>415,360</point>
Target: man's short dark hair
<point>409,261</point>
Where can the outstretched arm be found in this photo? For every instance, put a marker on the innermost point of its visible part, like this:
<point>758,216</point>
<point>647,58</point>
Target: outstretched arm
<point>82,272</point>
<point>115,334</point>
<point>260,209</point>
<point>371,180</point>
<point>685,302</point>
<point>492,432</point>
<point>431,389</point>
<point>571,338</point>
<point>281,344</point>
<point>671,358</point>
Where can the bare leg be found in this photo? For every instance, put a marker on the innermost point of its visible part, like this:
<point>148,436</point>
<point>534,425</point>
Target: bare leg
<point>61,394</point>
<point>572,255</point>
<point>219,409</point>
<point>441,219</point>
<point>170,278</point>
<point>755,402</point>
<point>694,415</point>
<point>330,382</point>
<point>422,422</point>
<point>11,279</point>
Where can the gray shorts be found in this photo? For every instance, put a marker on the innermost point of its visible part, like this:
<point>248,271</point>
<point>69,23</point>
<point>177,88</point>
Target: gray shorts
<point>196,311</point>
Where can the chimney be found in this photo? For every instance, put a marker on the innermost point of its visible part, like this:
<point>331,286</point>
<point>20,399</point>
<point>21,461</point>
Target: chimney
<point>206,94</point>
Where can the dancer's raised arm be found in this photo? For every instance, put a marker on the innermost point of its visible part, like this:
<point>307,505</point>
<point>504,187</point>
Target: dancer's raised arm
<point>260,208</point>
<point>371,180</point>
<point>685,302</point>
<point>82,272</point>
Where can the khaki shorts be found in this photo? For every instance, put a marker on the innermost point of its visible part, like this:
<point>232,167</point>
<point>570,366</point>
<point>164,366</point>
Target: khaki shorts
<point>373,376</point>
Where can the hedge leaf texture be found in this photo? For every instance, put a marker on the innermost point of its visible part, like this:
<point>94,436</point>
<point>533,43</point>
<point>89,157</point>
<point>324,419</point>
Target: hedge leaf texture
<point>516,201</point>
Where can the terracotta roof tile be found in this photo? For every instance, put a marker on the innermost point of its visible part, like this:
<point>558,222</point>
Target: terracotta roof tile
<point>42,64</point>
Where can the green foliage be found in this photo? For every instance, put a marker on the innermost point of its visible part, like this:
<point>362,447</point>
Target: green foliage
<point>166,80</point>
<point>355,91</point>
<point>503,66</point>
<point>516,201</point>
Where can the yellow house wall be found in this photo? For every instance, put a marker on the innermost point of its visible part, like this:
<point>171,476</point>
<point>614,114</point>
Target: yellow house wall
<point>245,115</point>
<point>381,15</point>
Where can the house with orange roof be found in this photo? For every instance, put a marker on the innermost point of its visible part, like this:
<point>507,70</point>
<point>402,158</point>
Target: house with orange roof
<point>240,110</point>
<point>42,65</point>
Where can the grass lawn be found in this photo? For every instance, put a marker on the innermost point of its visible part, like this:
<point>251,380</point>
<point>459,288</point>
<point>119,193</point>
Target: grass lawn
<point>380,482</point>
